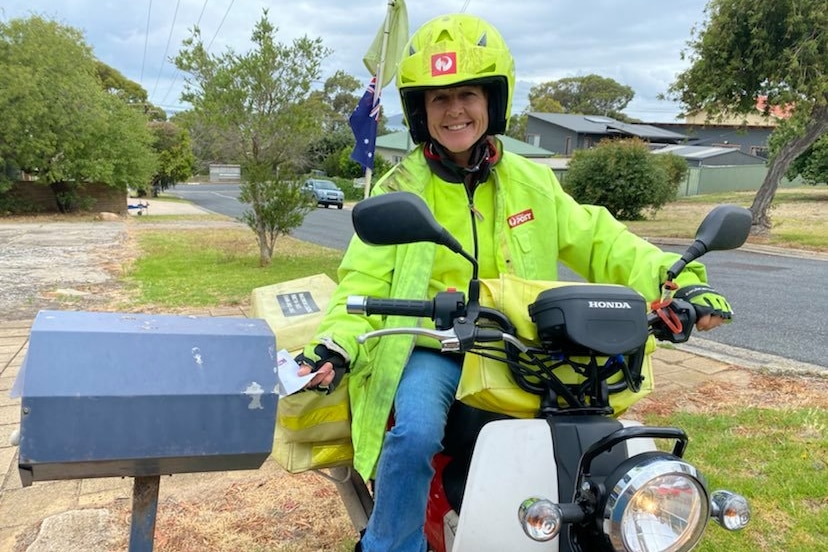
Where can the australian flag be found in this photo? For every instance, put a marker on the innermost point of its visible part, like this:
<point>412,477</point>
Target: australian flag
<point>364,125</point>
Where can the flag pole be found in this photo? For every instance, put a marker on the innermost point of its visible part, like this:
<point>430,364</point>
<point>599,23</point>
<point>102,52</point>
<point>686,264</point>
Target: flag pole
<point>378,87</point>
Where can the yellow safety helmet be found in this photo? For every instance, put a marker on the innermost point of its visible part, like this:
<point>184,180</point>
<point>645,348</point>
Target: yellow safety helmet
<point>451,50</point>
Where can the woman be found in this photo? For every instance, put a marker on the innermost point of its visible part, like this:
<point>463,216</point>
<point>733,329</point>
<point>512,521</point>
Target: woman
<point>456,81</point>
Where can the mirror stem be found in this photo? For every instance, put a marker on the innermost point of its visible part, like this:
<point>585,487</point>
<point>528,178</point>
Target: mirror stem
<point>696,250</point>
<point>474,289</point>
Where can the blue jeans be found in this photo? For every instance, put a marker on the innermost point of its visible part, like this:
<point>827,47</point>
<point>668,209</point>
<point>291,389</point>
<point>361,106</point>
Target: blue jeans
<point>426,391</point>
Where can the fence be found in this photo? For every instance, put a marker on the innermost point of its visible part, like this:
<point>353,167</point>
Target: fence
<point>34,196</point>
<point>731,178</point>
<point>225,173</point>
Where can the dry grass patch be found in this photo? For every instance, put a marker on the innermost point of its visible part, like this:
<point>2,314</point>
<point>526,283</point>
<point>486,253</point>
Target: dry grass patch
<point>266,510</point>
<point>745,389</point>
<point>799,216</point>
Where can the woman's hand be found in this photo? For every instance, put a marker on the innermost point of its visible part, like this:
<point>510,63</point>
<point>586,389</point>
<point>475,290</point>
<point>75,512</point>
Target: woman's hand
<point>328,365</point>
<point>708,322</point>
<point>323,378</point>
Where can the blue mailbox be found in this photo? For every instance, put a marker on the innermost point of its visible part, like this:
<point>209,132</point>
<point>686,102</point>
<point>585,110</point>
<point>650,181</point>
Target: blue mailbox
<point>115,394</point>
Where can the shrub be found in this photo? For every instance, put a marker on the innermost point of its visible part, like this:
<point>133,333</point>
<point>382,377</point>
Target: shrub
<point>623,176</point>
<point>12,205</point>
<point>675,168</point>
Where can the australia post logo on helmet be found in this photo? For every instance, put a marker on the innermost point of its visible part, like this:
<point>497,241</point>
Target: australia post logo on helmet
<point>444,64</point>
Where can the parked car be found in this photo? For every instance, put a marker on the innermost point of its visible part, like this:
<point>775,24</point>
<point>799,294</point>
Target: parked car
<point>325,192</point>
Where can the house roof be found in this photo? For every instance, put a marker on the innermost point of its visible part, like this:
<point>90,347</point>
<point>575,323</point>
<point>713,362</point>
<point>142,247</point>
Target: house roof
<point>400,141</point>
<point>698,153</point>
<point>597,124</point>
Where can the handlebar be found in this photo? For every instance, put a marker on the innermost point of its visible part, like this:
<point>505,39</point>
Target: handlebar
<point>673,322</point>
<point>462,328</point>
<point>444,309</point>
<point>359,304</point>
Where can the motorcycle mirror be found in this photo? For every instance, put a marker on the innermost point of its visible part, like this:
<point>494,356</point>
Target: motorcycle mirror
<point>725,227</point>
<point>399,217</point>
<point>396,218</point>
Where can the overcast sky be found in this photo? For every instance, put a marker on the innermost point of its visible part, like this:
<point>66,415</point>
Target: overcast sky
<point>635,42</point>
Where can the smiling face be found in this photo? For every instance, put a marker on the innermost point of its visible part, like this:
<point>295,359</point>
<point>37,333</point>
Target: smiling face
<point>457,117</point>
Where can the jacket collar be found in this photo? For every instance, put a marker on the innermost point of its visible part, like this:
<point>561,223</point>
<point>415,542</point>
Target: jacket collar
<point>485,155</point>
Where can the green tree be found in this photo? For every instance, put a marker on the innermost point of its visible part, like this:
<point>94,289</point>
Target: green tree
<point>260,102</point>
<point>210,143</point>
<point>348,168</point>
<point>337,101</point>
<point>675,173</point>
<point>324,153</point>
<point>279,205</point>
<point>58,122</point>
<point>129,91</point>
<point>175,155</point>
<point>748,49</point>
<point>339,96</point>
<point>623,176</point>
<point>812,165</point>
<point>589,95</point>
<point>517,126</point>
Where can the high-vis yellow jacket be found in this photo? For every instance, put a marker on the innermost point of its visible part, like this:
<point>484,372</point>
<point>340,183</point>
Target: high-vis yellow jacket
<point>526,224</point>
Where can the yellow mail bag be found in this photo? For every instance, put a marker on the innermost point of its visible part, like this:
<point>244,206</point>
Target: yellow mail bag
<point>313,429</point>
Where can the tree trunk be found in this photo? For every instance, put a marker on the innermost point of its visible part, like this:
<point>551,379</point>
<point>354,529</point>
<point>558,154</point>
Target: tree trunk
<point>265,249</point>
<point>66,196</point>
<point>816,127</point>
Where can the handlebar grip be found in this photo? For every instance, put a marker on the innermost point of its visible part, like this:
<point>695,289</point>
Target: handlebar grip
<point>358,304</point>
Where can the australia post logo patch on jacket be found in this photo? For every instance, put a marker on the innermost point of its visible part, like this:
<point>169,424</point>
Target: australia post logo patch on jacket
<point>444,64</point>
<point>519,218</point>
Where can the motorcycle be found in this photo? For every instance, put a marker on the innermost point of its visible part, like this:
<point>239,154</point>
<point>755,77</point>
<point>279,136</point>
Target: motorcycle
<point>574,478</point>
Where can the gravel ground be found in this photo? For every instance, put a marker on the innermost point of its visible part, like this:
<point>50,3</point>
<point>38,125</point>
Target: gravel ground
<point>50,264</point>
<point>43,264</point>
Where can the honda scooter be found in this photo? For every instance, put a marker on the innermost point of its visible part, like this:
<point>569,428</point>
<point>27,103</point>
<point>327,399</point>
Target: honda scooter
<point>574,478</point>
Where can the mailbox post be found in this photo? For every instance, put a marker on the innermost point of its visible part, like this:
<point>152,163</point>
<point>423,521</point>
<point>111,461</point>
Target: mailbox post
<point>135,395</point>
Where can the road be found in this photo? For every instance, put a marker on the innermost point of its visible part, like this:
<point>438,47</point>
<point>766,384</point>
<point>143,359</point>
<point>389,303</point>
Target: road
<point>779,301</point>
<point>327,227</point>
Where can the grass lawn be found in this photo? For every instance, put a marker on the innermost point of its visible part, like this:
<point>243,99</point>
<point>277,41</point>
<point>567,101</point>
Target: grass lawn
<point>206,267</point>
<point>778,459</point>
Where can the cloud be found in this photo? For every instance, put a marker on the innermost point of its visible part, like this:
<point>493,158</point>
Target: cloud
<point>637,42</point>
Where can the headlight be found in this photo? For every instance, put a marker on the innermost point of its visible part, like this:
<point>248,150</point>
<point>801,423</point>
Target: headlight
<point>655,502</point>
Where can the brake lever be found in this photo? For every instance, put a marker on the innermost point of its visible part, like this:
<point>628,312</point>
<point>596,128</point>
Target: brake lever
<point>448,339</point>
<point>682,317</point>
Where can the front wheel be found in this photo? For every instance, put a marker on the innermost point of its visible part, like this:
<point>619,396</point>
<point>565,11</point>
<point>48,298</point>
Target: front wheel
<point>339,206</point>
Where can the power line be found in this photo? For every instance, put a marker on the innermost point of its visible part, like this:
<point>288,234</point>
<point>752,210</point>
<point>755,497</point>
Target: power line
<point>166,49</point>
<point>177,71</point>
<point>146,40</point>
<point>203,7</point>
<point>220,24</point>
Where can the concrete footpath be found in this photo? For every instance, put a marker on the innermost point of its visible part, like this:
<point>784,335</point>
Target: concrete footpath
<point>73,515</point>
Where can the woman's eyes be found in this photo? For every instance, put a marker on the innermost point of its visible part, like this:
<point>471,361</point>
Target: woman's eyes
<point>464,95</point>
